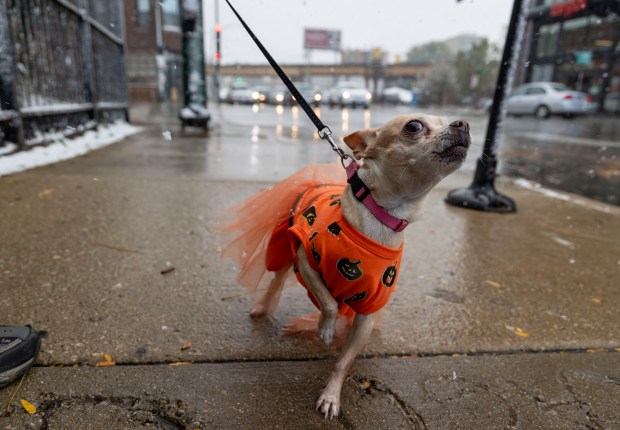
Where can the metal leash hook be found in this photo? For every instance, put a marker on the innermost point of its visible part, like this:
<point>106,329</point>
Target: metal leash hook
<point>326,134</point>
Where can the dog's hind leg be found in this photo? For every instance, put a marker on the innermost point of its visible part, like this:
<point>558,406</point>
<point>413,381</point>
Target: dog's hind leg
<point>269,302</point>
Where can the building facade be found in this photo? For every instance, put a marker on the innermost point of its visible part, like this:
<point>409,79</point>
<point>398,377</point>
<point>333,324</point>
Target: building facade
<point>154,40</point>
<point>576,42</point>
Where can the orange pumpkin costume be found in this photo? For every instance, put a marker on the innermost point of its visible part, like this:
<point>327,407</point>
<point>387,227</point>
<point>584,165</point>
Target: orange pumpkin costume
<point>305,209</point>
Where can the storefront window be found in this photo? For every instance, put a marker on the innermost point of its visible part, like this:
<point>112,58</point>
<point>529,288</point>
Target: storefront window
<point>548,39</point>
<point>601,34</point>
<point>612,97</point>
<point>574,33</point>
<point>542,72</point>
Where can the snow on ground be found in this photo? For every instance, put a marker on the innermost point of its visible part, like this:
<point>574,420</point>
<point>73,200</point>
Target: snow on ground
<point>63,148</point>
<point>578,200</point>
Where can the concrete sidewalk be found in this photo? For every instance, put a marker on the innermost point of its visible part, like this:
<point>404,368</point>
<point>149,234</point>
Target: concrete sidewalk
<point>500,321</point>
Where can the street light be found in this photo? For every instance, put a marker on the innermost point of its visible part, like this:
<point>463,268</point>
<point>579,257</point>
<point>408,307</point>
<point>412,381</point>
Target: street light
<point>481,194</point>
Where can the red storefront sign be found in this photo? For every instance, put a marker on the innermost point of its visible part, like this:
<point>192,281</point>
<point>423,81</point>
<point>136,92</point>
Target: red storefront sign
<point>568,9</point>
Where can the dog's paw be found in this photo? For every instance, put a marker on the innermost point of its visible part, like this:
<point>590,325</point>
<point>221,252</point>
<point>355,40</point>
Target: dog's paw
<point>259,311</point>
<point>327,330</point>
<point>328,405</point>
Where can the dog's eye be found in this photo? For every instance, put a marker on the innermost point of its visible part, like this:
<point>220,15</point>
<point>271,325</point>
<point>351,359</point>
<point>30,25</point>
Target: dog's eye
<point>414,126</point>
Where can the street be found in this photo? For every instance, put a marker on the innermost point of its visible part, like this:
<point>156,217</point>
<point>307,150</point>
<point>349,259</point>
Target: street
<point>267,143</point>
<point>499,321</point>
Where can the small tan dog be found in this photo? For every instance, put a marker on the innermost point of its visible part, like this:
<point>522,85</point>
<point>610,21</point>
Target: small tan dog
<point>402,161</point>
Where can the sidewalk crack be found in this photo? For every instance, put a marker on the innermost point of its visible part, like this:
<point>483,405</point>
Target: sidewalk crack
<point>371,386</point>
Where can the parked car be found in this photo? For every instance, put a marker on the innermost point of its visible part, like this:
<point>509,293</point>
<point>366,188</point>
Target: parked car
<point>261,94</point>
<point>282,96</point>
<point>543,99</point>
<point>240,92</point>
<point>397,95</point>
<point>349,93</point>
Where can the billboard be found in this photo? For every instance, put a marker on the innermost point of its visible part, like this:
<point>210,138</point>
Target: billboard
<point>322,39</point>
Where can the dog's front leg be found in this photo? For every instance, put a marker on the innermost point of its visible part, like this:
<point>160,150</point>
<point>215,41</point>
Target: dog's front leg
<point>329,401</point>
<point>328,305</point>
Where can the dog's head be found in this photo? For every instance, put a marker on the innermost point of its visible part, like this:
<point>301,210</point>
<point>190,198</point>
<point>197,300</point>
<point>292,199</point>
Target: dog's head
<point>411,152</point>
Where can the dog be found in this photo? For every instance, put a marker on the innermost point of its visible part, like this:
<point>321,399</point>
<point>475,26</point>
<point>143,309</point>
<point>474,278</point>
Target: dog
<point>335,243</point>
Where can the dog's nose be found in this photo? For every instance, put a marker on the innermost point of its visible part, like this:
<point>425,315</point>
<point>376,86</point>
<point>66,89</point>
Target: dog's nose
<point>461,125</point>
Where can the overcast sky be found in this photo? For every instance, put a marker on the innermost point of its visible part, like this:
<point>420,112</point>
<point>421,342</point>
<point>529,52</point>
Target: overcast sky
<point>392,25</point>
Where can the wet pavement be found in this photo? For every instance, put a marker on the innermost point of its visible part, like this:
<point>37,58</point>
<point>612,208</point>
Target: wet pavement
<point>581,156</point>
<point>500,321</point>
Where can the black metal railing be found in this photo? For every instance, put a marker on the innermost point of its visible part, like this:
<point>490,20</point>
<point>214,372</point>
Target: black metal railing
<point>62,66</point>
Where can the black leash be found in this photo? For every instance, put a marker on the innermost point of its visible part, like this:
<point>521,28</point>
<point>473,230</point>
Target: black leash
<point>324,131</point>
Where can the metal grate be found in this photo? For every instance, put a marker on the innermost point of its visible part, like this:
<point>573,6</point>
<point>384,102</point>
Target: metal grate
<point>61,65</point>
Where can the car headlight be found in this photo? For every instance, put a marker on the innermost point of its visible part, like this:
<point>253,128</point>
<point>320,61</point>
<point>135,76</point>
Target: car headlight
<point>279,97</point>
<point>317,97</point>
<point>255,95</point>
<point>346,95</point>
<point>368,96</point>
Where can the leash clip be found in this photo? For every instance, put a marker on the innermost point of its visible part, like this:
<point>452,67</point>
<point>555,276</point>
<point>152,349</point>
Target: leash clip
<point>326,134</point>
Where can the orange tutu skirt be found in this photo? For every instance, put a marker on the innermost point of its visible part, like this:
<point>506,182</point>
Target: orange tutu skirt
<point>252,223</point>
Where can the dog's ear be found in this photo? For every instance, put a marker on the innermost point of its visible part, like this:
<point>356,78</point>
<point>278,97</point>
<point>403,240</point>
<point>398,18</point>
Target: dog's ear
<point>358,141</point>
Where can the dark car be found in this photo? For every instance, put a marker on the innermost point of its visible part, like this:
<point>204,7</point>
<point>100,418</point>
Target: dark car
<point>280,95</point>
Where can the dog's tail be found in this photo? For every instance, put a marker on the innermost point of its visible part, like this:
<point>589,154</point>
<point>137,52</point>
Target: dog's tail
<point>260,224</point>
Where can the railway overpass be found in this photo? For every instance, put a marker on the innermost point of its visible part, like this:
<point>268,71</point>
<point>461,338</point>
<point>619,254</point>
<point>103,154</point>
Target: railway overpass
<point>297,72</point>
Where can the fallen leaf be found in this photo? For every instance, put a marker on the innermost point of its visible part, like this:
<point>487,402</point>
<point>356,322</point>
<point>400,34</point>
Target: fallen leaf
<point>493,283</point>
<point>46,193</point>
<point>519,332</point>
<point>108,361</point>
<point>594,350</point>
<point>364,385</point>
<point>179,363</point>
<point>29,407</point>
<point>186,345</point>
<point>597,300</point>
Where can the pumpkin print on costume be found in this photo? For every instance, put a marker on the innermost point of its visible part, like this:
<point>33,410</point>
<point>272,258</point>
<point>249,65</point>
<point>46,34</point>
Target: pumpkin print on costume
<point>349,269</point>
<point>359,272</point>
<point>334,229</point>
<point>310,215</point>
<point>389,276</point>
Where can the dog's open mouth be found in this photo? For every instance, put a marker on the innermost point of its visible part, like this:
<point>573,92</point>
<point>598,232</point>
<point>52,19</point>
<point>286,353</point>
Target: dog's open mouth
<point>454,153</point>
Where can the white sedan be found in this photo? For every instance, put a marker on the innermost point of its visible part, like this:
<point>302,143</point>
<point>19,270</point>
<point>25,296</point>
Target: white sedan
<point>547,98</point>
<point>348,93</point>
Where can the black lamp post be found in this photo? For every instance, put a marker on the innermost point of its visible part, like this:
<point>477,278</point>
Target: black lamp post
<point>481,194</point>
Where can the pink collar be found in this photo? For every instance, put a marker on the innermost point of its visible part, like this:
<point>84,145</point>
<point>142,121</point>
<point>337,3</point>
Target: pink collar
<point>362,193</point>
